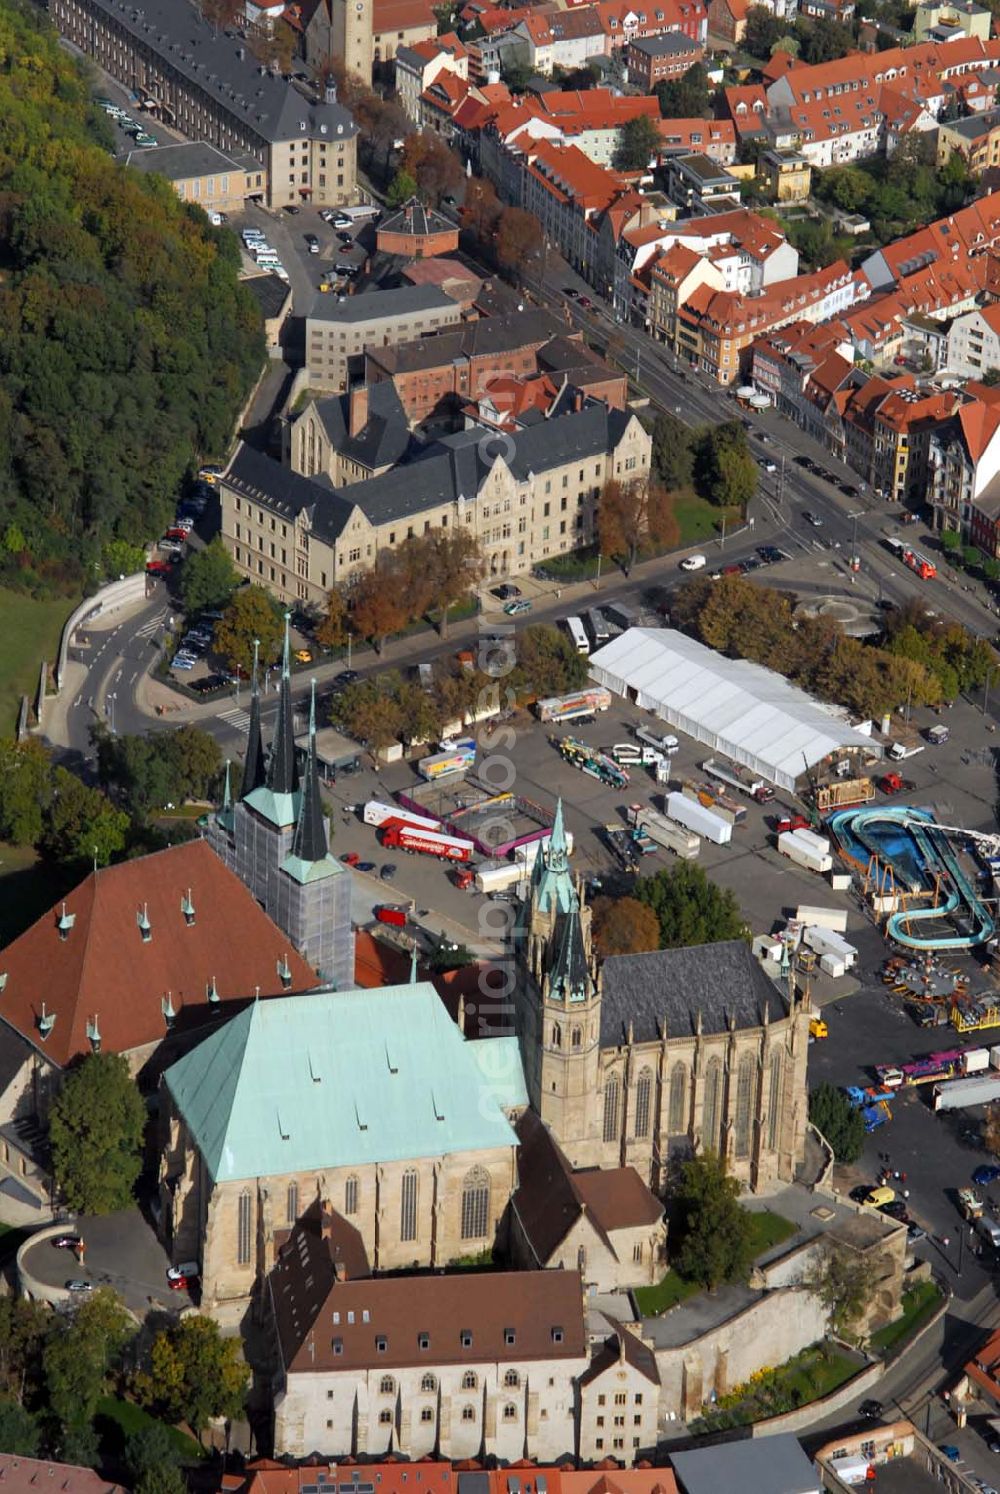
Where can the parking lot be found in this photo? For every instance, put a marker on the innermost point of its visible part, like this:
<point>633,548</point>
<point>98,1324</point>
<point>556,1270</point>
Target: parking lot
<point>339,258</point>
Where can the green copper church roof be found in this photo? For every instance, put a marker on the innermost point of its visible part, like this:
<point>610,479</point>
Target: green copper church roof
<point>553,880</point>
<point>312,871</point>
<point>278,809</point>
<point>498,1060</point>
<point>334,1079</point>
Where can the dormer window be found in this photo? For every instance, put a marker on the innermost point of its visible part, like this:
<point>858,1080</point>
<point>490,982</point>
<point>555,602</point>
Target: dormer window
<point>65,922</point>
<point>144,925</point>
<point>423,1340</point>
<point>381,1344</point>
<point>284,972</point>
<point>509,1337</point>
<point>466,1338</point>
<point>187,908</point>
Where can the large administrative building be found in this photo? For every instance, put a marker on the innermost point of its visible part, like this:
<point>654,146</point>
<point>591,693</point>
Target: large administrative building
<point>735,707</point>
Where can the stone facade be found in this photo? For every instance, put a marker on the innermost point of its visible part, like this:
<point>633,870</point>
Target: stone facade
<point>338,331</point>
<point>522,510</point>
<point>613,1097</point>
<point>232,1226</point>
<point>619,1400</point>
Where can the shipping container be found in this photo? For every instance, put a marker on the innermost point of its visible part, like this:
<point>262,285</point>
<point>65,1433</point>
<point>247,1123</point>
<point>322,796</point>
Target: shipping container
<point>958,1094</point>
<point>497,878</point>
<point>829,942</point>
<point>696,817</point>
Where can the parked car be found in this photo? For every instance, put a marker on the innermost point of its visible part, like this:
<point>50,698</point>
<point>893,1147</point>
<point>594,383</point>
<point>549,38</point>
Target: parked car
<point>312,241</point>
<point>79,1286</point>
<point>986,1174</point>
<point>66,1242</point>
<point>291,209</point>
<point>694,563</point>
<point>344,678</point>
<point>303,656</point>
<point>515,609</point>
<point>157,568</point>
<point>506,591</point>
<point>350,858</point>
<point>388,872</point>
<point>811,518</point>
<point>871,1410</point>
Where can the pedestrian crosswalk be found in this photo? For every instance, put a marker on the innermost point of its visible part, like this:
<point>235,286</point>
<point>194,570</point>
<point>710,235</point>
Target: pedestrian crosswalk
<point>239,720</point>
<point>148,629</point>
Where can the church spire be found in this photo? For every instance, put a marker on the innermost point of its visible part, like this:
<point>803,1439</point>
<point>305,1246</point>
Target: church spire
<point>569,978</point>
<point>253,763</point>
<point>282,775</point>
<point>552,881</point>
<point>557,853</point>
<point>309,843</point>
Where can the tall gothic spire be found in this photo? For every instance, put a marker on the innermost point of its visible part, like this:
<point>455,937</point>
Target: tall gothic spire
<point>569,978</point>
<point>557,853</point>
<point>309,843</point>
<point>253,763</point>
<point>282,775</point>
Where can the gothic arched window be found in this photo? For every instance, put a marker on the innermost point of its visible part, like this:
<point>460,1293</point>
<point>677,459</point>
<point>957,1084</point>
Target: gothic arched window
<point>612,1107</point>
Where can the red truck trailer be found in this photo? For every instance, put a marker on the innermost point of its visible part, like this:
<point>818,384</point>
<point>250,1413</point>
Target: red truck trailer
<point>430,842</point>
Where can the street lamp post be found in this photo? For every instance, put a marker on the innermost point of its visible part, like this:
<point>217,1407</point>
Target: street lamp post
<point>986,689</point>
<point>111,712</point>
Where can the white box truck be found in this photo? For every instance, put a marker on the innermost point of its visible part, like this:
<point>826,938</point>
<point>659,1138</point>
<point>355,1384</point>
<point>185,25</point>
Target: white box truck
<point>662,741</point>
<point>802,852</point>
<point>822,918</point>
<point>832,965</point>
<point>974,1061</point>
<point>696,817</point>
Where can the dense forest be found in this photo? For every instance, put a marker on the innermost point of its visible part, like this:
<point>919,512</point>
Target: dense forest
<point>127,345</point>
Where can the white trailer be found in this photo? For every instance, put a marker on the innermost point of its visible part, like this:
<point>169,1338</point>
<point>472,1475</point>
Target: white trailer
<point>503,874</point>
<point>696,817</point>
<point>975,1061</point>
<point>376,813</point>
<point>829,942</point>
<point>958,1094</point>
<point>802,852</point>
<point>820,843</point>
<point>667,833</point>
<point>822,918</point>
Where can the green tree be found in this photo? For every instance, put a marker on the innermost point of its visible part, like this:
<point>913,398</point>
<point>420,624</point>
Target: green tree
<point>195,760</point>
<point>333,628</point>
<point>726,473</point>
<point>125,353</point>
<point>951,540</point>
<point>402,188</point>
<point>122,558</point>
<point>194,1374</point>
<point>519,240</point>
<point>715,1232</point>
<point>638,142</point>
<point>19,1430</point>
<point>672,454</point>
<point>162,1480</point>
<point>687,97</point>
<point>839,1121</point>
<point>149,1449</point>
<point>454,567</point>
<point>763,31</point>
<point>82,1352</point>
<point>82,827</point>
<point>547,662</point>
<point>845,1284</point>
<point>23,1325</point>
<point>95,1129</point>
<point>252,614</point>
<point>25,790</point>
<point>208,578</point>
<point>690,909</point>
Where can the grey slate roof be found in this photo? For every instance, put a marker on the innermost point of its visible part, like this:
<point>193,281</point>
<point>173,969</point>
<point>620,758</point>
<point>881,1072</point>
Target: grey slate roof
<point>414,218</point>
<point>285,492</point>
<point>440,473</point>
<point>384,440</point>
<point>270,292</point>
<point>721,981</point>
<point>488,335</point>
<point>378,306</point>
<point>456,466</point>
<point>211,60</point>
<point>772,1465</point>
<point>179,163</point>
<point>670,44</point>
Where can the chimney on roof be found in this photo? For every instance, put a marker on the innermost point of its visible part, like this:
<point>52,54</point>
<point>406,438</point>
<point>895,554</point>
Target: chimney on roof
<point>357,416</point>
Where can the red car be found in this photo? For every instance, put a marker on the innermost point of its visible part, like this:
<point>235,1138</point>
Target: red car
<point>157,568</point>
<point>350,858</point>
<point>792,822</point>
<point>394,916</point>
<point>175,533</point>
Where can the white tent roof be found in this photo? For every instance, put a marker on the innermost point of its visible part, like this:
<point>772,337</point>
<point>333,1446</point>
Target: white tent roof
<point>749,713</point>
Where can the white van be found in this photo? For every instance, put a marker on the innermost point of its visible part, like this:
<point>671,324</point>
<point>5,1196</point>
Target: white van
<point>694,563</point>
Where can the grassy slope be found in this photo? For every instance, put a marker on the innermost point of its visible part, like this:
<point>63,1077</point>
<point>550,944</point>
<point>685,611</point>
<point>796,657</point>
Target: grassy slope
<point>29,633</point>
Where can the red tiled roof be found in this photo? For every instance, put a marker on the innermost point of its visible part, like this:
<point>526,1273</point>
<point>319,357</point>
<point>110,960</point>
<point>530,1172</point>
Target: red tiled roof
<point>30,1475</point>
<point>103,968</point>
<point>402,15</point>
